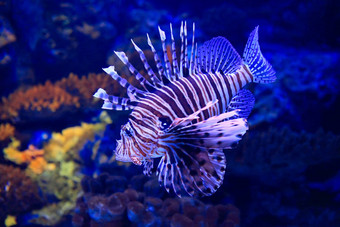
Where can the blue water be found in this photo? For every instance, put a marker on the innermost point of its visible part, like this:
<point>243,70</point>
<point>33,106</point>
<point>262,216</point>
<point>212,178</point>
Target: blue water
<point>285,171</point>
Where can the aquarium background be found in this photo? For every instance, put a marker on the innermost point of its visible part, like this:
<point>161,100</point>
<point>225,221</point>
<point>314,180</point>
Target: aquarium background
<point>56,163</point>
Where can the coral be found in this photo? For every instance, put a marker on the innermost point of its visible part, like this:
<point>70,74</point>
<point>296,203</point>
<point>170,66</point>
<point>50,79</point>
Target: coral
<point>63,97</point>
<point>6,131</point>
<point>6,34</point>
<point>288,176</point>
<point>32,101</point>
<point>100,205</point>
<point>305,85</point>
<point>284,149</point>
<point>10,221</point>
<point>85,86</point>
<point>63,182</point>
<point>18,193</point>
<point>32,156</point>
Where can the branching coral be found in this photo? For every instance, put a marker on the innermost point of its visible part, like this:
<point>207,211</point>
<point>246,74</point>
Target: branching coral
<point>63,182</point>
<point>47,97</point>
<point>54,100</point>
<point>33,157</point>
<point>56,167</point>
<point>6,131</point>
<point>18,193</point>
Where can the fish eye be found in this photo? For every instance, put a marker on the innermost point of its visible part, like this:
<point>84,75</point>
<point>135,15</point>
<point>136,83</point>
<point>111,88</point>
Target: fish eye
<point>165,122</point>
<point>128,131</point>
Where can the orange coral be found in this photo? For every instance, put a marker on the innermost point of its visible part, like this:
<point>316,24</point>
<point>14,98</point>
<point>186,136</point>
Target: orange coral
<point>69,92</point>
<point>86,86</point>
<point>41,97</point>
<point>6,131</point>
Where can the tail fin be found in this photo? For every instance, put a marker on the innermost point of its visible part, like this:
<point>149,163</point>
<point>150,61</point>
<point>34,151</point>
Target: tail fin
<point>261,69</point>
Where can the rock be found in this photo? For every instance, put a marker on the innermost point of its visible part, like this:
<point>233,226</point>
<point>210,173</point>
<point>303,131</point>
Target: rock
<point>138,181</point>
<point>180,220</point>
<point>115,184</point>
<point>190,211</point>
<point>149,219</point>
<point>153,204</point>
<point>212,215</point>
<point>77,220</point>
<point>170,207</point>
<point>234,217</point>
<point>105,209</point>
<point>152,188</point>
<point>131,194</point>
<point>135,211</point>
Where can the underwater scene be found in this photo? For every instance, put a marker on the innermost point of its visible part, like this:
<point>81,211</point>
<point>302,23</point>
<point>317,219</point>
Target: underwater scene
<point>169,113</point>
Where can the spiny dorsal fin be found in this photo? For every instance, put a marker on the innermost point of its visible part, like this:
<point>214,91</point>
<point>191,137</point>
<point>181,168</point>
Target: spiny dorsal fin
<point>158,62</point>
<point>174,57</point>
<point>132,91</point>
<point>148,68</point>
<point>163,77</point>
<point>113,102</point>
<point>192,66</point>
<point>168,68</point>
<point>218,54</point>
<point>146,84</point>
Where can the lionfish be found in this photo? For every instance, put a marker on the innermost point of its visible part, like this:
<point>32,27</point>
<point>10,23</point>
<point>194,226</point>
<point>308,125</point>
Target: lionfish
<point>189,111</point>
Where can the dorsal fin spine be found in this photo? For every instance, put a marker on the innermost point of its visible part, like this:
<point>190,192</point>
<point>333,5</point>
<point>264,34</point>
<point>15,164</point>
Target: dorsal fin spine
<point>186,46</point>
<point>182,50</point>
<point>221,56</point>
<point>191,67</point>
<point>195,62</point>
<point>166,58</point>
<point>149,70</point>
<point>146,84</point>
<point>174,57</point>
<point>114,102</point>
<point>132,91</point>
<point>157,59</point>
<point>198,57</point>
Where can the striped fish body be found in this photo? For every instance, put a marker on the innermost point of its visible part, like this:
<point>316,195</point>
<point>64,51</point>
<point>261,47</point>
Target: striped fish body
<point>190,112</point>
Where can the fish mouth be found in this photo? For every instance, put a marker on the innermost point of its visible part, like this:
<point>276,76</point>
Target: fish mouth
<point>120,154</point>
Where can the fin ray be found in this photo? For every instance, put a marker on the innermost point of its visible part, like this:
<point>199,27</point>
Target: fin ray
<point>261,69</point>
<point>218,54</point>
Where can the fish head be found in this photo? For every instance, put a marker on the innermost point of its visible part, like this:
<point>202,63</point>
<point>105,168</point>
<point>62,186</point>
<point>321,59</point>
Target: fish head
<point>138,139</point>
<point>127,147</point>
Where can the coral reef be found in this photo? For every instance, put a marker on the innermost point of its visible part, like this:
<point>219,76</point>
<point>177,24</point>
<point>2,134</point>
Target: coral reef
<point>62,150</point>
<point>31,101</point>
<point>18,193</point>
<point>69,95</point>
<point>6,131</point>
<point>56,167</point>
<point>305,86</point>
<point>284,149</point>
<point>289,175</point>
<point>6,33</point>
<point>105,204</point>
<point>33,157</point>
